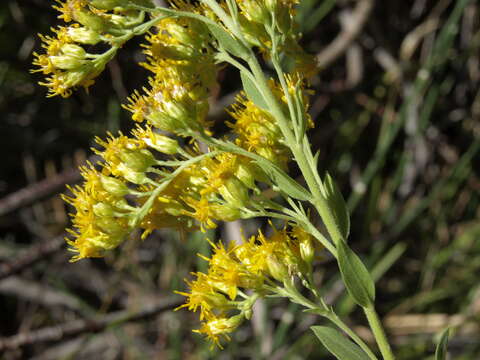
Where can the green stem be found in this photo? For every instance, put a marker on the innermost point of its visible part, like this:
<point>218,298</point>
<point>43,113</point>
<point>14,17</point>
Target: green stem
<point>291,291</point>
<point>142,211</point>
<point>230,147</point>
<point>337,321</point>
<point>304,158</point>
<point>302,154</point>
<point>378,332</point>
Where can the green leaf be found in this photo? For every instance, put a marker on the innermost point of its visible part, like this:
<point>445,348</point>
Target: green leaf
<point>252,91</point>
<point>227,41</point>
<point>337,204</point>
<point>355,275</point>
<point>441,350</point>
<point>284,182</point>
<point>339,345</point>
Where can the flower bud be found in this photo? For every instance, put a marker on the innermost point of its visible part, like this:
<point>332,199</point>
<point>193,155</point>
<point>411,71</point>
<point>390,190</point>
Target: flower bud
<point>162,121</point>
<point>218,300</point>
<point>181,33</point>
<point>245,174</point>
<point>256,11</point>
<point>235,193</point>
<point>83,35</point>
<point>90,20</point>
<point>74,77</point>
<point>307,249</point>
<point>226,212</point>
<point>66,62</point>
<point>162,143</point>
<point>219,326</point>
<point>114,186</point>
<point>103,210</point>
<point>130,175</point>
<point>139,160</point>
<point>276,269</point>
<point>110,226</point>
<point>74,51</point>
<point>110,239</point>
<point>176,110</point>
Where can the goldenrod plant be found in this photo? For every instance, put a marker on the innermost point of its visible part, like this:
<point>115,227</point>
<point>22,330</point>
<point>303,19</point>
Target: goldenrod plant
<point>172,171</point>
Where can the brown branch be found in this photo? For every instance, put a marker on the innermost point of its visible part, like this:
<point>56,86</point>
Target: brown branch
<point>38,191</point>
<point>83,326</point>
<point>348,34</point>
<point>39,293</point>
<point>31,256</point>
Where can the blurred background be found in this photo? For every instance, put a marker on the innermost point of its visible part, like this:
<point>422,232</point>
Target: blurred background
<point>396,110</point>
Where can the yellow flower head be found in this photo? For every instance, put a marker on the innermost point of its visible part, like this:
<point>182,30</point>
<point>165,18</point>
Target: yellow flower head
<point>225,272</point>
<point>66,62</point>
<point>203,296</point>
<point>169,105</point>
<point>257,131</point>
<point>204,211</point>
<point>126,157</point>
<point>216,327</point>
<point>251,265</point>
<point>159,142</point>
<point>69,8</point>
<point>183,43</point>
<point>100,222</point>
<point>221,179</point>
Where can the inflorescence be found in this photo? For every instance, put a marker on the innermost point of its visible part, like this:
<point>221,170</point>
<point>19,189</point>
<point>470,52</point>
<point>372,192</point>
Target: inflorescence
<point>170,171</point>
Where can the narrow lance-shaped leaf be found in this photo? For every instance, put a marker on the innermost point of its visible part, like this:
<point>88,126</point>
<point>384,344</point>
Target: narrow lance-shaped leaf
<point>339,345</point>
<point>227,41</point>
<point>252,91</point>
<point>441,350</point>
<point>337,205</point>
<point>355,275</point>
<point>284,182</point>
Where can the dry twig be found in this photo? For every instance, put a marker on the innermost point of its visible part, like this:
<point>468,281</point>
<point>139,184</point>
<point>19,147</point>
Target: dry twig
<point>31,256</point>
<point>82,326</point>
<point>349,33</point>
<point>38,191</point>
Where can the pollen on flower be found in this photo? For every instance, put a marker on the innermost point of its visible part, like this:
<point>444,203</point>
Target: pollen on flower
<point>217,327</point>
<point>98,224</point>
<point>257,131</point>
<point>68,8</point>
<point>202,296</point>
<point>182,61</point>
<point>251,266</point>
<point>203,211</point>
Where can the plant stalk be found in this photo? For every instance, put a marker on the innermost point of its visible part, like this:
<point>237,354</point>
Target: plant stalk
<point>329,314</point>
<point>378,332</point>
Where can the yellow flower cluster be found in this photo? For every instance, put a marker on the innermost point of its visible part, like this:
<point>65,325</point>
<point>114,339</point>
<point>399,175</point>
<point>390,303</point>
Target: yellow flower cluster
<point>181,58</point>
<point>251,267</point>
<point>214,188</point>
<point>157,176</point>
<point>257,131</point>
<point>65,61</point>
<point>100,221</point>
<point>257,15</point>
